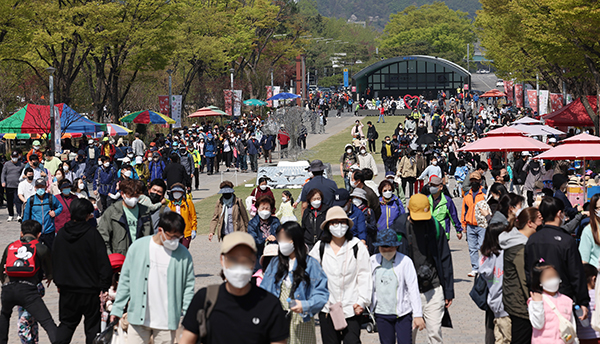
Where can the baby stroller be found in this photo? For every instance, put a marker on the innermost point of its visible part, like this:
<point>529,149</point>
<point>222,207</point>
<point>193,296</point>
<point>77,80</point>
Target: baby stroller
<point>368,321</point>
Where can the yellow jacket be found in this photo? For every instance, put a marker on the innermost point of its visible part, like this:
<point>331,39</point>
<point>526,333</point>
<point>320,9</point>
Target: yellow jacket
<point>188,212</point>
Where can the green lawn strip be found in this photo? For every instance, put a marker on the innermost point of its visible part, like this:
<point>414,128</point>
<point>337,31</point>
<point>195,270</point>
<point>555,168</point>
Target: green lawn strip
<point>206,207</point>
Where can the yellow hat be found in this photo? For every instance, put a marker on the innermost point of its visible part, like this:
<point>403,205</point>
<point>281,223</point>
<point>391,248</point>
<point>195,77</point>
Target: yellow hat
<point>418,207</point>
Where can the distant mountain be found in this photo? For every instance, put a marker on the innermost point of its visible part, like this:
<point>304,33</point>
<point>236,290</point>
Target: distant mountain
<point>377,12</point>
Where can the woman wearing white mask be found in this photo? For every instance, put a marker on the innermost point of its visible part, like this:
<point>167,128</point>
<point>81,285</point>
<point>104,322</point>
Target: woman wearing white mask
<point>261,190</point>
<point>263,226</point>
<point>391,206</point>
<point>241,311</point>
<point>299,282</point>
<point>313,217</point>
<point>345,261</point>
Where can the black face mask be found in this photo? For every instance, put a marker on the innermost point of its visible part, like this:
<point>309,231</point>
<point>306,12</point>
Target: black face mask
<point>35,163</point>
<point>227,196</point>
<point>507,178</point>
<point>154,197</point>
<point>475,186</point>
<point>30,177</point>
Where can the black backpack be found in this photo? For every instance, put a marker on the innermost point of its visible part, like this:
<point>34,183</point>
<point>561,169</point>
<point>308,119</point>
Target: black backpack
<point>479,293</point>
<point>31,205</point>
<point>322,251</point>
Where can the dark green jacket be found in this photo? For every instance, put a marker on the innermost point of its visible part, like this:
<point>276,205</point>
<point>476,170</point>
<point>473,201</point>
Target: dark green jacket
<point>114,230</point>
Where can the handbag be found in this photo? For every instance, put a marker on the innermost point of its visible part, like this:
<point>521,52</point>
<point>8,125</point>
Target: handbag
<point>479,293</point>
<point>567,331</point>
<point>106,336</point>
<point>336,312</point>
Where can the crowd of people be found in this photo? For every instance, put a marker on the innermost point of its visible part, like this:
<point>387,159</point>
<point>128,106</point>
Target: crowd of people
<point>111,226</point>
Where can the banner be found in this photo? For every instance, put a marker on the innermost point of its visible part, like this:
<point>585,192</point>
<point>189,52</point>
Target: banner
<point>556,101</point>
<point>519,95</point>
<point>57,135</point>
<point>163,102</point>
<point>176,101</point>
<point>269,95</point>
<point>508,89</point>
<point>237,102</point>
<point>228,101</point>
<point>544,94</point>
<point>532,97</point>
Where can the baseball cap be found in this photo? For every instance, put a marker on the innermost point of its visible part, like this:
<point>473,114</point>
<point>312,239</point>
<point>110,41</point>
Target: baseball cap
<point>40,182</point>
<point>475,175</point>
<point>234,239</point>
<point>389,174</point>
<point>435,180</point>
<point>418,207</point>
<point>36,143</point>
<point>66,184</point>
<point>340,197</point>
<point>14,154</point>
<point>525,153</point>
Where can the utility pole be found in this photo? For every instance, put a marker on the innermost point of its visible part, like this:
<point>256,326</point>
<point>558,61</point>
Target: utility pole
<point>231,70</point>
<point>468,55</point>
<point>170,71</point>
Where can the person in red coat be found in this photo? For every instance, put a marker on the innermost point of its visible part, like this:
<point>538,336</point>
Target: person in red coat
<point>284,139</point>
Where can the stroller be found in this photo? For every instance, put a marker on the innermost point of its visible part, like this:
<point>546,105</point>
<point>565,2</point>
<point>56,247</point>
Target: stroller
<point>368,321</point>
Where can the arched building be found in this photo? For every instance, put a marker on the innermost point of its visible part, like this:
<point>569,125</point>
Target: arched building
<point>414,75</point>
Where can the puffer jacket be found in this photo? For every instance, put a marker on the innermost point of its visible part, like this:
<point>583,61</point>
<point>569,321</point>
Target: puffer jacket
<point>311,224</point>
<point>156,169</point>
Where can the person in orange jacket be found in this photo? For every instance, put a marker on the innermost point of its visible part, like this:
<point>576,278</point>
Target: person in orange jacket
<point>475,234</point>
<point>36,149</point>
<point>182,204</point>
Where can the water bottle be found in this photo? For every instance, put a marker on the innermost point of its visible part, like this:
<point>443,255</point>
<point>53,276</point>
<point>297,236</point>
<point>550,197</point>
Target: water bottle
<point>291,303</point>
<point>579,312</point>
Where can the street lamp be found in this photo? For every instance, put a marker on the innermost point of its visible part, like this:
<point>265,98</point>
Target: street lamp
<point>51,71</point>
<point>231,70</point>
<point>170,71</point>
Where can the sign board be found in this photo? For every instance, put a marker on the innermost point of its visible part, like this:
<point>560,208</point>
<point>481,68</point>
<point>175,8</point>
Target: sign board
<point>353,88</point>
<point>237,102</point>
<point>466,87</point>
<point>163,102</point>
<point>57,135</point>
<point>345,77</point>
<point>176,102</point>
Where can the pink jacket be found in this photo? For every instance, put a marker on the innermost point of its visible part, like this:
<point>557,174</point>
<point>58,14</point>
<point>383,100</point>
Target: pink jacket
<point>550,334</point>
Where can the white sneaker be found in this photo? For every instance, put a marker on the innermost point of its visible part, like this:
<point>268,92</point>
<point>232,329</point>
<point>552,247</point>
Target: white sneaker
<point>10,218</point>
<point>18,218</point>
<point>473,273</point>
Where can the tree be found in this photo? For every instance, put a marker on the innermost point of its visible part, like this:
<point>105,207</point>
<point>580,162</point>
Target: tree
<point>431,30</point>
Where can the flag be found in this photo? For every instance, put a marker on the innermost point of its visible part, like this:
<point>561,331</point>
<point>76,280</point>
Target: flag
<point>556,101</point>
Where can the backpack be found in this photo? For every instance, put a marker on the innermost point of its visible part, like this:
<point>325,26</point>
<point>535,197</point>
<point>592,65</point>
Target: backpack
<point>479,293</point>
<point>30,200</point>
<point>20,259</point>
<point>322,252</point>
<point>212,293</point>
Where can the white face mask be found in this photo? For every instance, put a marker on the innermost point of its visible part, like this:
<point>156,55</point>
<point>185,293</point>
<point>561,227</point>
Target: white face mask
<point>388,255</point>
<point>106,164</point>
<point>177,194</point>
<point>81,186</point>
<point>434,162</point>
<point>264,214</point>
<point>14,159</point>
<point>263,187</point>
<point>66,168</point>
<point>349,151</point>
<point>353,183</point>
<point>127,174</point>
<point>387,194</point>
<point>130,202</point>
<point>338,230</point>
<point>598,212</point>
<point>362,151</point>
<point>551,285</point>
<point>286,248</point>
<point>238,275</point>
<point>316,204</point>
<point>171,244</point>
<point>357,202</point>
<point>284,199</point>
<point>388,142</point>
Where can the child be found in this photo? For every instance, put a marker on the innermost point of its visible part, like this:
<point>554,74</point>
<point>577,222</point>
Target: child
<point>546,303</point>
<point>459,175</point>
<point>286,210</point>
<point>586,334</point>
<point>107,299</point>
<point>396,300</point>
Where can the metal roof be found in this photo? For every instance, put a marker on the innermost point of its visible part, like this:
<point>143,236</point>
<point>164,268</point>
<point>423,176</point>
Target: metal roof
<point>376,66</point>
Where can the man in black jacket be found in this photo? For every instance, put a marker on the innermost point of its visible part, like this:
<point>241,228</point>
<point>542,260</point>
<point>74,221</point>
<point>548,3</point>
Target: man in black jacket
<point>82,271</point>
<point>176,173</point>
<point>372,135</point>
<point>559,249</point>
<point>423,240</point>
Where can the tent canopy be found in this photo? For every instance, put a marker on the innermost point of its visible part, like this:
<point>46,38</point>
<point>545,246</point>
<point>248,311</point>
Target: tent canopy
<point>493,93</point>
<point>35,119</point>
<point>537,130</point>
<point>505,131</point>
<point>527,120</point>
<point>573,114</point>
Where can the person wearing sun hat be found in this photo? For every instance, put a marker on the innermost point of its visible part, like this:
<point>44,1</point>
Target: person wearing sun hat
<point>256,313</point>
<point>396,298</point>
<point>35,149</point>
<point>423,240</point>
<point>337,250</point>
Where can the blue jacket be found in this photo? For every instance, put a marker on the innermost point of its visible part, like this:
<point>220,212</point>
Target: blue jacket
<point>569,210</point>
<point>105,180</point>
<point>389,212</point>
<point>156,169</point>
<point>210,148</point>
<point>268,142</point>
<point>312,299</point>
<point>41,211</point>
<point>253,147</point>
<point>360,227</point>
<point>254,228</point>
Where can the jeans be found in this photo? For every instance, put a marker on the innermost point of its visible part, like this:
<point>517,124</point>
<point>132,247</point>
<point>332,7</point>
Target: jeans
<point>381,118</point>
<point>71,307</point>
<point>243,162</point>
<point>347,183</point>
<point>433,311</point>
<point>393,329</point>
<point>349,335</point>
<point>48,239</point>
<point>11,193</point>
<point>254,162</point>
<point>474,239</point>
<point>27,295</point>
<point>209,164</point>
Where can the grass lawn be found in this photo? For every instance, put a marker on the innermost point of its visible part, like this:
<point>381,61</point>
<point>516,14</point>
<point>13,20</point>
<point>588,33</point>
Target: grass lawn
<point>330,150</point>
<point>206,207</point>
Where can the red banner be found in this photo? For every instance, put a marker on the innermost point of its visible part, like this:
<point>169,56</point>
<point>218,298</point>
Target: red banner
<point>556,101</point>
<point>228,100</point>
<point>519,95</point>
<point>163,102</point>
<point>508,89</point>
<point>269,95</point>
<point>532,98</point>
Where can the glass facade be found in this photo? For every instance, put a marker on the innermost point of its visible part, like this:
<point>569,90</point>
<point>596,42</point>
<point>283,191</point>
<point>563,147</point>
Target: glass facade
<point>413,75</point>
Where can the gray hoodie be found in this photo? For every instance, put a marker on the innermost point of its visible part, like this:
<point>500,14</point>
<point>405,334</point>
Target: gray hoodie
<point>492,269</point>
<point>11,173</point>
<point>511,239</point>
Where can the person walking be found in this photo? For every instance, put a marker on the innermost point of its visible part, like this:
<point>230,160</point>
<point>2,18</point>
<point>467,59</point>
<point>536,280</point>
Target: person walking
<point>372,136</point>
<point>82,270</point>
<point>298,281</point>
<point>156,284</point>
<point>11,172</point>
<point>176,173</point>
<point>345,261</point>
<point>138,146</point>
<point>230,214</point>
<point>387,155</point>
<point>105,182</point>
<point>182,204</point>
<point>443,208</point>
<point>313,216</point>
<point>589,246</point>
<point>65,197</point>
<point>396,301</point>
<point>43,207</point>
<point>263,226</point>
<point>475,233</point>
<point>348,159</point>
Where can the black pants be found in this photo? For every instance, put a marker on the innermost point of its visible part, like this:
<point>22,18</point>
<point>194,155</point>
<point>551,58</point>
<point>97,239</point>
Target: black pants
<point>489,327</point>
<point>48,239</point>
<point>349,335</point>
<point>254,162</point>
<point>11,193</point>
<point>530,198</point>
<point>390,165</point>
<point>228,156</point>
<point>302,142</point>
<point>71,306</point>
<point>26,295</point>
<point>104,202</point>
<point>196,175</point>
<point>408,184</point>
<point>521,330</point>
<point>372,146</point>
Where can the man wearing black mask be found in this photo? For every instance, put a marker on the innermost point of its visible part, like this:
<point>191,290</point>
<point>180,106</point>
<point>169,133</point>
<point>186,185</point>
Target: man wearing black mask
<point>155,201</point>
